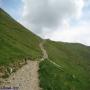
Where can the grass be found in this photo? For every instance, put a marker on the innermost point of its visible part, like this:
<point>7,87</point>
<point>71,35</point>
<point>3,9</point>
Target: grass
<point>16,42</point>
<point>75,61</point>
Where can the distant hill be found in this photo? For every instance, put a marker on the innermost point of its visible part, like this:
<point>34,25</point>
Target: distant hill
<point>16,42</point>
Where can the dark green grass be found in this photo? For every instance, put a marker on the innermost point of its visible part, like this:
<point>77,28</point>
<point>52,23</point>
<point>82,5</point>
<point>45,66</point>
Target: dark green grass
<point>16,42</point>
<point>75,62</point>
<point>53,78</point>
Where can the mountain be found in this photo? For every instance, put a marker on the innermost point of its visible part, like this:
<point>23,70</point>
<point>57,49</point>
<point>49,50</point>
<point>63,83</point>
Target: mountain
<point>67,68</point>
<point>16,42</point>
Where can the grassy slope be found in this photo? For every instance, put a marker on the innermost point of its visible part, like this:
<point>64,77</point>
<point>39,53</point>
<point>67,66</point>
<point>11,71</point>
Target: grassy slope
<point>75,62</point>
<point>16,42</point>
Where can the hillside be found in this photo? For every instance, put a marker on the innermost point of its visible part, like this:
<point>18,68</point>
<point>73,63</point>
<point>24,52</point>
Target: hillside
<point>16,42</point>
<point>67,68</point>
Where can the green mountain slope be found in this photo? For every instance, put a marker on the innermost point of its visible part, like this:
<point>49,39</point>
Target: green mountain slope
<point>68,65</point>
<point>16,42</point>
<point>72,71</point>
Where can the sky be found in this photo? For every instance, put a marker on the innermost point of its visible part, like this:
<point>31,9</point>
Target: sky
<point>58,20</point>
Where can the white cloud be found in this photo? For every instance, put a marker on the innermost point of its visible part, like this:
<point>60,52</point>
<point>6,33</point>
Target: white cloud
<point>41,14</point>
<point>79,34</point>
<point>51,19</point>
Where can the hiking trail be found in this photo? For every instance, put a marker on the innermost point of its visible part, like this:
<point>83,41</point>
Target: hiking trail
<point>27,77</point>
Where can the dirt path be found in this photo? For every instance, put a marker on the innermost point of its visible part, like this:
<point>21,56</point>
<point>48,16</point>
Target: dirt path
<point>26,78</point>
<point>44,52</point>
<point>55,64</point>
<point>45,55</point>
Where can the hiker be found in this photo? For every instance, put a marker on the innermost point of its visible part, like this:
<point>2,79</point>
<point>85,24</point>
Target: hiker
<point>25,61</point>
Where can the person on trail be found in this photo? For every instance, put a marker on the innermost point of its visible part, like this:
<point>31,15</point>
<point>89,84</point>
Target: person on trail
<point>25,61</point>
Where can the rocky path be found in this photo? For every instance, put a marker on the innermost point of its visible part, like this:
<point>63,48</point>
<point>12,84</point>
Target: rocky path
<point>26,78</point>
<point>44,52</point>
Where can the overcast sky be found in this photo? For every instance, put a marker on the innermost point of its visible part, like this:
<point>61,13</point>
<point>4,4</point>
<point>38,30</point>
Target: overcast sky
<point>59,20</point>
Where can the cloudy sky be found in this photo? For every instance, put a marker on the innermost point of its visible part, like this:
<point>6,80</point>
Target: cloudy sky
<point>59,20</point>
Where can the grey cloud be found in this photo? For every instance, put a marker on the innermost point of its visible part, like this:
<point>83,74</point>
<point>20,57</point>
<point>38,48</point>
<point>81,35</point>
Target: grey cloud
<point>49,13</point>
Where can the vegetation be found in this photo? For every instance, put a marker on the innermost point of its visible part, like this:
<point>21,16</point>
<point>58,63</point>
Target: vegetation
<point>74,60</point>
<point>16,42</point>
